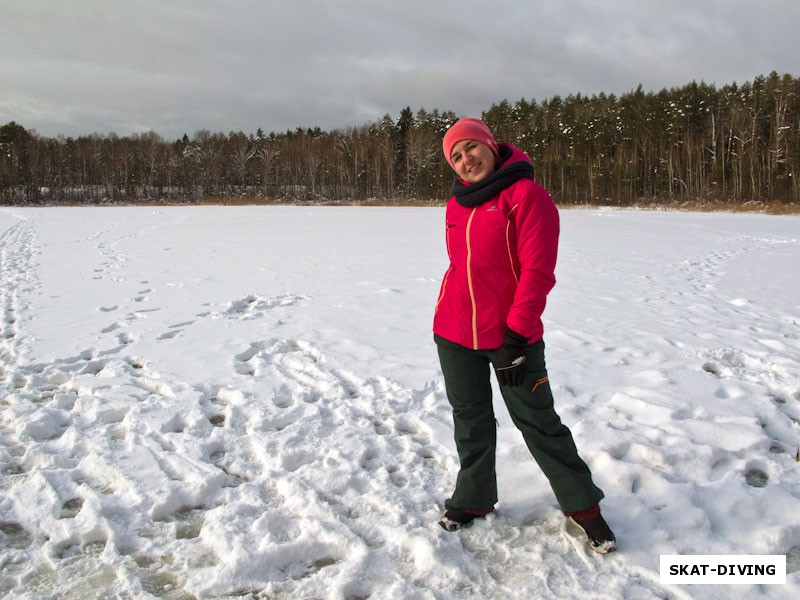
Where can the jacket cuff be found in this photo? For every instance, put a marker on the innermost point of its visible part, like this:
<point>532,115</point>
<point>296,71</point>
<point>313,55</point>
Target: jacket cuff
<point>512,337</point>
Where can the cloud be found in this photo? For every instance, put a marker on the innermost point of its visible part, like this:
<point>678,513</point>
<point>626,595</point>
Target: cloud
<point>180,66</point>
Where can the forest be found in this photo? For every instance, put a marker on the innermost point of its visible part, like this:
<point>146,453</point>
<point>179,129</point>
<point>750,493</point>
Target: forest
<point>697,143</point>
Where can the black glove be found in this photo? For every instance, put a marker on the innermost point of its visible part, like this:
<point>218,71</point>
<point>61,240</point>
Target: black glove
<point>510,363</point>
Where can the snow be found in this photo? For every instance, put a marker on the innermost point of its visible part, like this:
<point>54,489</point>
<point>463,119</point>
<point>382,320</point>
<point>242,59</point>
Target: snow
<point>213,402</point>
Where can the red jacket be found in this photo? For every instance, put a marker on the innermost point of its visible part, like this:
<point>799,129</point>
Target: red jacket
<point>502,262</point>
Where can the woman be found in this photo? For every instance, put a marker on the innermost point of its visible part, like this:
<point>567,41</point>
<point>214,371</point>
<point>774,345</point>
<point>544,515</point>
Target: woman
<point>502,240</point>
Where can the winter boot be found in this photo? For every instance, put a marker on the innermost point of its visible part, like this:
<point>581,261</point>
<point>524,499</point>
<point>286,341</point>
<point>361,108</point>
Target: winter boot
<point>454,519</point>
<point>601,538</point>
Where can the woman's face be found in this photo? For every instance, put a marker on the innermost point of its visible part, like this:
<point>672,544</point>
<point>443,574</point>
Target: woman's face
<point>472,160</point>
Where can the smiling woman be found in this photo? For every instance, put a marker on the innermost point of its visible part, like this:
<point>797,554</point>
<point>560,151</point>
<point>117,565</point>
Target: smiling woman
<point>473,160</point>
<point>475,155</point>
<point>502,241</point>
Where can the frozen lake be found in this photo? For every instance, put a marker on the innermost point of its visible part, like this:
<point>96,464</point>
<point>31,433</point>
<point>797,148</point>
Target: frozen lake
<point>214,402</point>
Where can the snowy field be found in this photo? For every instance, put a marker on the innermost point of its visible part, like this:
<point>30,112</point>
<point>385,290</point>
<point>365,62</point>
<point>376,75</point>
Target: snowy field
<point>228,402</point>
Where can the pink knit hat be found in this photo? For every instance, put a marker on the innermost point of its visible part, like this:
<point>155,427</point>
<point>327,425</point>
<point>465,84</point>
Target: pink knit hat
<point>467,129</point>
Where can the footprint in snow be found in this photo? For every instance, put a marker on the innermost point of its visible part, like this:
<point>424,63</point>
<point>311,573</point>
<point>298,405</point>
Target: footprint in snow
<point>756,477</point>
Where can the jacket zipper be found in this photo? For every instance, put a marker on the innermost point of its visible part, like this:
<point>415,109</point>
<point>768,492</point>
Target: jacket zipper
<point>469,283</point>
<point>508,245</point>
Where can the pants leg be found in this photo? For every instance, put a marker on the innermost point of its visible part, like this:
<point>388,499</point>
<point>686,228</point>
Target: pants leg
<point>548,439</point>
<point>467,382</point>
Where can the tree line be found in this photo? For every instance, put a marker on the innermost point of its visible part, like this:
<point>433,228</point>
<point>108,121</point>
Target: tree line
<point>738,143</point>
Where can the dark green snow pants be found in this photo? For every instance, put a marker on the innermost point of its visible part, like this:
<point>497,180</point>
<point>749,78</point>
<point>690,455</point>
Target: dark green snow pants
<point>466,376</point>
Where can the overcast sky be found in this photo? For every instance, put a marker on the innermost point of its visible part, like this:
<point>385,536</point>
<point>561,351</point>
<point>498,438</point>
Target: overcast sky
<point>177,66</point>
